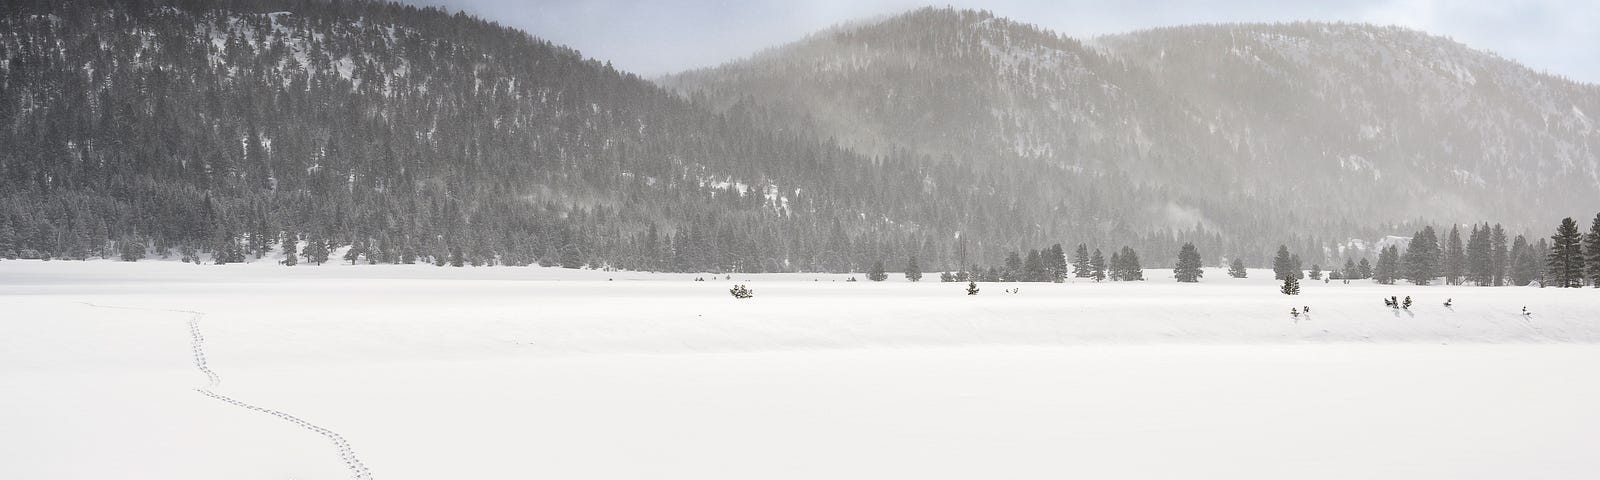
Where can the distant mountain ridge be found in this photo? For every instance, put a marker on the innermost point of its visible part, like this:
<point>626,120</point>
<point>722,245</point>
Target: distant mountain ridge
<point>1323,126</point>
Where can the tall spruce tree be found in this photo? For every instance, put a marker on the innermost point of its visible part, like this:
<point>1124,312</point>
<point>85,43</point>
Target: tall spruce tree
<point>1388,269</point>
<point>913,271</point>
<point>1033,268</point>
<point>1188,268</point>
<point>1364,269</point>
<point>1081,266</point>
<point>1282,264</point>
<point>1114,271</point>
<point>1421,263</point>
<point>1565,260</point>
<point>1056,263</point>
<point>1524,263</point>
<point>1132,270</point>
<point>1497,255</point>
<point>1014,268</point>
<point>1097,266</point>
<point>1480,268</point>
<point>1592,244</point>
<point>8,239</point>
<point>1454,256</point>
<point>290,246</point>
<point>1349,271</point>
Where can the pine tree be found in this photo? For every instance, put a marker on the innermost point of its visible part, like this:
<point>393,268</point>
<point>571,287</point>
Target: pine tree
<point>1188,268</point>
<point>1013,271</point>
<point>1524,265</point>
<point>1349,271</point>
<point>1455,256</point>
<point>353,253</point>
<point>1316,272</point>
<point>1296,269</point>
<point>1056,263</point>
<point>1236,269</point>
<point>1421,263</point>
<point>1592,260</point>
<point>8,239</point>
<point>1541,251</point>
<point>290,246</point>
<point>972,288</point>
<point>1497,255</point>
<point>1097,266</point>
<point>1479,265</point>
<point>877,274</point>
<point>316,251</point>
<point>913,271</point>
<point>1081,266</point>
<point>132,250</point>
<point>1291,286</point>
<point>1131,269</point>
<point>1115,270</point>
<point>1566,256</point>
<point>1033,269</point>
<point>1282,266</point>
<point>1388,269</point>
<point>1364,269</point>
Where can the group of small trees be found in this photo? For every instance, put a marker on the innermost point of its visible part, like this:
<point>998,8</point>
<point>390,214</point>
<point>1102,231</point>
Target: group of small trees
<point>1051,265</point>
<point>913,271</point>
<point>1044,265</point>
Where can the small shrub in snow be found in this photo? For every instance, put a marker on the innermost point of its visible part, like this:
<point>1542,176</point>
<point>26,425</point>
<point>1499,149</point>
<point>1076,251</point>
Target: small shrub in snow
<point>1291,285</point>
<point>741,291</point>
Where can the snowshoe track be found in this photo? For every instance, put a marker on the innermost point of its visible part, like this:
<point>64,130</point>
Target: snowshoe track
<point>197,345</point>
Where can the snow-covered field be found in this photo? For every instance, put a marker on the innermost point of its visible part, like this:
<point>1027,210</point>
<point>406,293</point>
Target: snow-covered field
<point>421,372</point>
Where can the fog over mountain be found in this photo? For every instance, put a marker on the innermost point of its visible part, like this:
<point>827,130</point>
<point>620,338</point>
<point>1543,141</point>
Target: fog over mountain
<point>1304,126</point>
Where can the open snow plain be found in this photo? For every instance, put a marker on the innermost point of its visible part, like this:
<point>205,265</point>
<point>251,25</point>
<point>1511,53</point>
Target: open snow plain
<point>164,370</point>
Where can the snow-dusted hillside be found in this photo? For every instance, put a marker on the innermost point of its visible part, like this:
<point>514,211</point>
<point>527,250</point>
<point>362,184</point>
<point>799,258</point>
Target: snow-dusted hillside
<point>1305,127</point>
<point>420,372</point>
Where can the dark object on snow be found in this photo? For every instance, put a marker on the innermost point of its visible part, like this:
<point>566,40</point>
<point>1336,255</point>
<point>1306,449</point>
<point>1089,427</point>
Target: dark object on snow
<point>1407,304</point>
<point>1448,302</point>
<point>740,291</point>
<point>972,288</point>
<point>1306,308</point>
<point>1294,313</point>
<point>1525,311</point>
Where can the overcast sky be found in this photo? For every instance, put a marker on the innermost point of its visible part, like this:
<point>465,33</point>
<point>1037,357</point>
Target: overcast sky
<point>653,37</point>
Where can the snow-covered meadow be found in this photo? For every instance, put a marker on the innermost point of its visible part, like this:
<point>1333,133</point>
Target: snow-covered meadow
<point>423,372</point>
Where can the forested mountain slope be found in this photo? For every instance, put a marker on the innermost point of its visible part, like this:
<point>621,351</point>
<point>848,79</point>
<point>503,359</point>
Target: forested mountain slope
<point>1255,131</point>
<point>218,127</point>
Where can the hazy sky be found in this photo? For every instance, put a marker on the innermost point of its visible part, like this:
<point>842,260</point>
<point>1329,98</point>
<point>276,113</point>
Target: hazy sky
<point>652,37</point>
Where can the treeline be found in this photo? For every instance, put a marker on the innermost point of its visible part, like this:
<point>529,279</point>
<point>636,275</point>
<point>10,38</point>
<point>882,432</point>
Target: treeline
<point>1569,258</point>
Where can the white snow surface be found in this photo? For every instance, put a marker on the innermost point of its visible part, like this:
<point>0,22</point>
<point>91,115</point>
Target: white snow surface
<point>400,372</point>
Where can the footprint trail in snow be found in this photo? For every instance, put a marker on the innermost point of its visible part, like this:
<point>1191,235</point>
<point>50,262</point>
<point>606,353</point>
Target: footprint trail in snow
<point>197,344</point>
